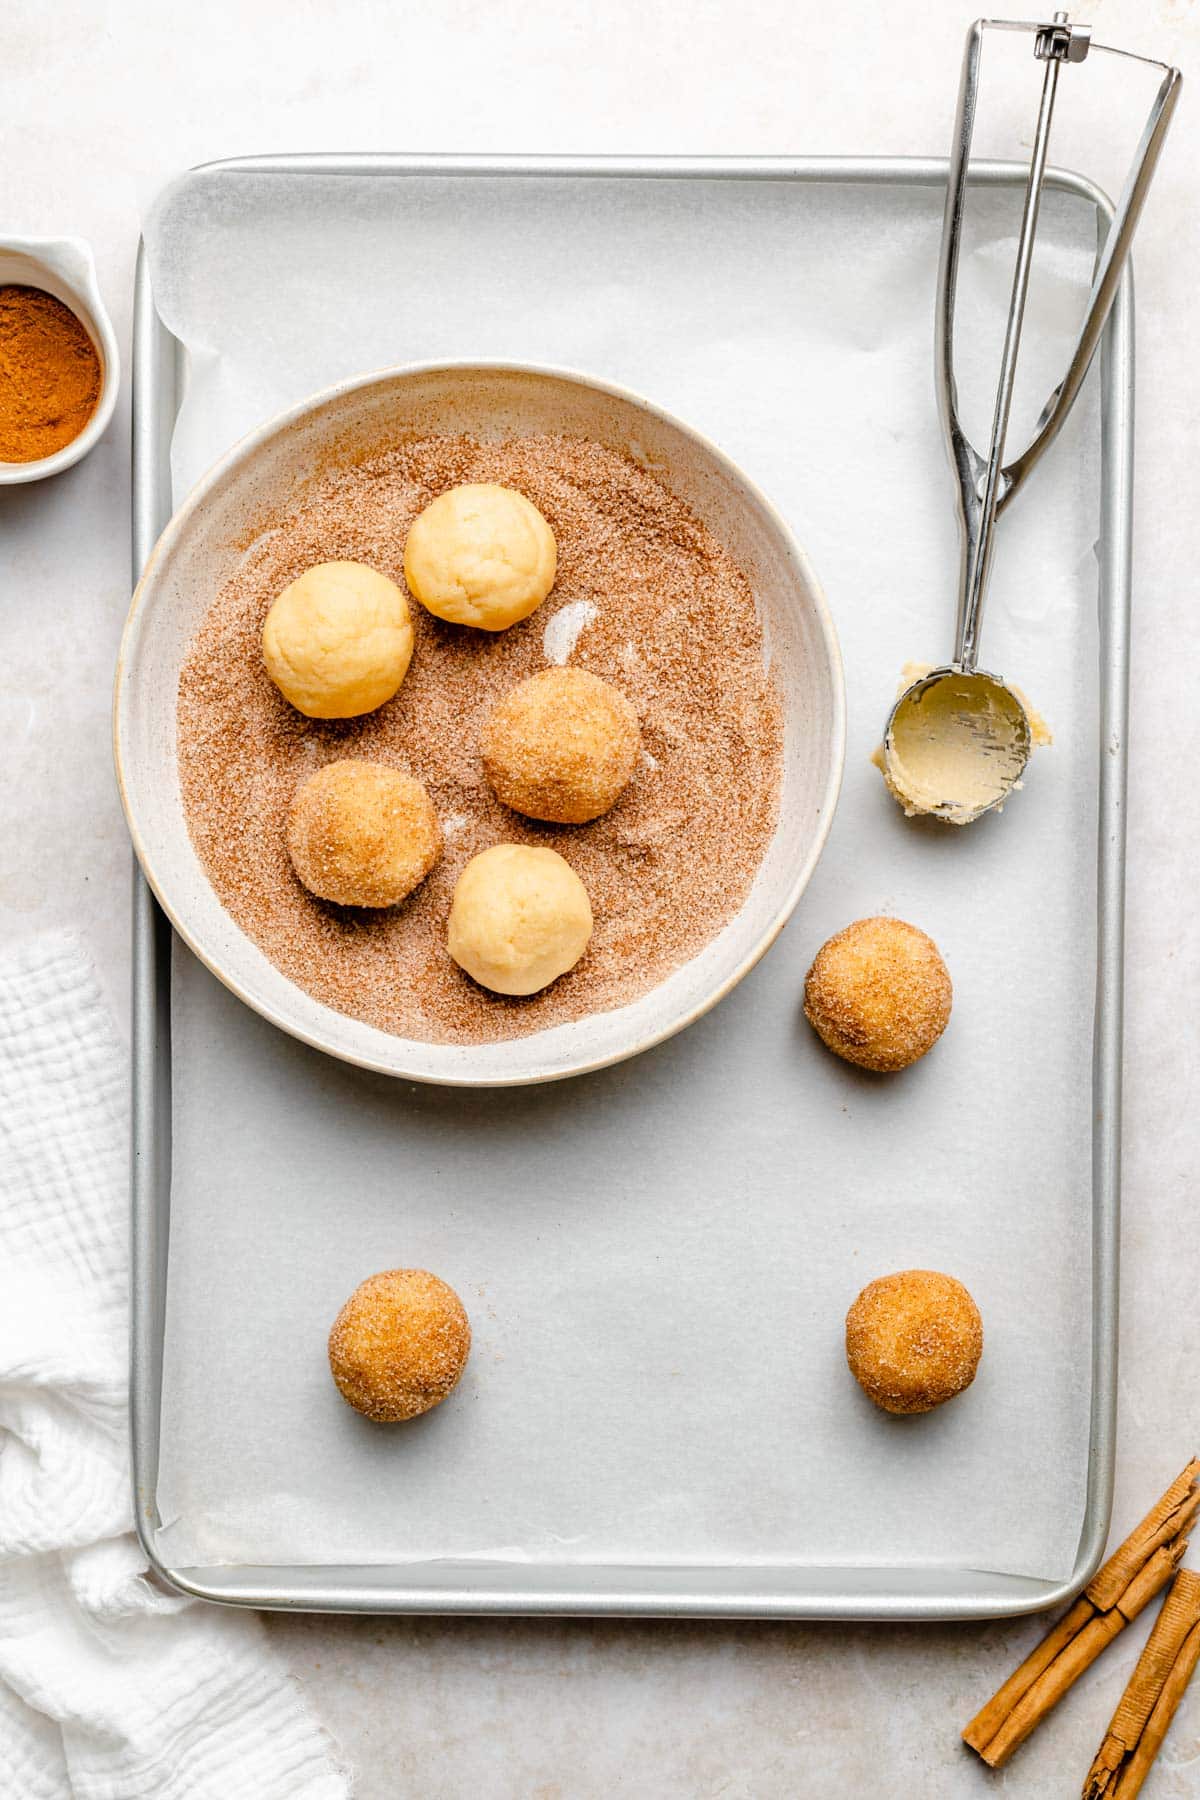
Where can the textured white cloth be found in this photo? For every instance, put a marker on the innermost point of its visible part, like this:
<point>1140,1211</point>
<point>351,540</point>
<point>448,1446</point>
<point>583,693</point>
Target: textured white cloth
<point>110,1688</point>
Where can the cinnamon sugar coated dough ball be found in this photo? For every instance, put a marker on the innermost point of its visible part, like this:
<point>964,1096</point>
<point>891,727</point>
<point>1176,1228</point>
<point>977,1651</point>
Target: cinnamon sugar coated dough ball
<point>399,1344</point>
<point>520,918</point>
<point>338,640</point>
<point>561,746</point>
<point>480,555</point>
<point>914,1340</point>
<point>879,994</point>
<point>361,834</point>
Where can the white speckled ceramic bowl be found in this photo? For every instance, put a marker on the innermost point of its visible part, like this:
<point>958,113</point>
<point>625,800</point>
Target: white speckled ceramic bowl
<point>66,268</point>
<point>261,479</point>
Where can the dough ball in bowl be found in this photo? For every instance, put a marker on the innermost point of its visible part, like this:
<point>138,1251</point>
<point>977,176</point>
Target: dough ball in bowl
<point>520,918</point>
<point>914,1340</point>
<point>480,555</point>
<point>361,834</point>
<point>561,746</point>
<point>878,994</point>
<point>338,640</point>
<point>399,1345</point>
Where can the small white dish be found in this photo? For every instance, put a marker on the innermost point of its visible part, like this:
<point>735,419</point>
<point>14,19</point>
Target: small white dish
<point>66,268</point>
<point>260,481</point>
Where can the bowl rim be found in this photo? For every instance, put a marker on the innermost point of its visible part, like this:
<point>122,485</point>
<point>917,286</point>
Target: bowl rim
<point>53,255</point>
<point>241,450</point>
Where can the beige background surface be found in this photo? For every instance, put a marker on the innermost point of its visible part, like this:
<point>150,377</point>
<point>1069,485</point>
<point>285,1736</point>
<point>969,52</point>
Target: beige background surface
<point>102,103</point>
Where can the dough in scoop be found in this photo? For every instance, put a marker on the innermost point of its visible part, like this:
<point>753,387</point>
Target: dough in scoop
<point>338,640</point>
<point>520,918</point>
<point>480,555</point>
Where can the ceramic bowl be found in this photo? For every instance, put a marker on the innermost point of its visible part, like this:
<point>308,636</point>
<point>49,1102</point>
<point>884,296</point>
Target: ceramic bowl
<point>65,268</point>
<point>260,480</point>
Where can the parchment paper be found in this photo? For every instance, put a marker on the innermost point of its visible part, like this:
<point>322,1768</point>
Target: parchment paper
<point>658,1259</point>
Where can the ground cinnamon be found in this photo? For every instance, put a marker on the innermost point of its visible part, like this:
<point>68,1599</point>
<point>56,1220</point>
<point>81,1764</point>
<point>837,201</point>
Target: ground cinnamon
<point>49,374</point>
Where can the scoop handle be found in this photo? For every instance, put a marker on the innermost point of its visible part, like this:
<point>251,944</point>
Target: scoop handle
<point>980,482</point>
<point>986,486</point>
<point>1107,279</point>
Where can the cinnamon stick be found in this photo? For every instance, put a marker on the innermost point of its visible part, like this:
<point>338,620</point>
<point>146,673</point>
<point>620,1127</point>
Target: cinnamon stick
<point>1168,1518</point>
<point>984,1726</point>
<point>1150,1742</point>
<point>1133,1574</point>
<point>1045,1693</point>
<point>1155,1688</point>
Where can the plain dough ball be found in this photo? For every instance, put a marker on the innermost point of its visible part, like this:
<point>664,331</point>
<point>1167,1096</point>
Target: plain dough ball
<point>480,555</point>
<point>338,640</point>
<point>914,1340</point>
<point>878,994</point>
<point>561,746</point>
<point>361,834</point>
<point>520,918</point>
<point>399,1344</point>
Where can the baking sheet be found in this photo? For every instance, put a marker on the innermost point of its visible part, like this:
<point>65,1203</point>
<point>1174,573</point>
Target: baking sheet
<point>657,1259</point>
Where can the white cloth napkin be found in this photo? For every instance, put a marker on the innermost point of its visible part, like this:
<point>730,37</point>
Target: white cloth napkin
<point>110,1688</point>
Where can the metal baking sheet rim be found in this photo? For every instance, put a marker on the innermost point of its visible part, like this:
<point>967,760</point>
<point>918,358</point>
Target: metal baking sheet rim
<point>871,1592</point>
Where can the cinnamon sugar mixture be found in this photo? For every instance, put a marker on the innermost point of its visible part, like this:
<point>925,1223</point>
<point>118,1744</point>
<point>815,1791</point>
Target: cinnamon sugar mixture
<point>666,616</point>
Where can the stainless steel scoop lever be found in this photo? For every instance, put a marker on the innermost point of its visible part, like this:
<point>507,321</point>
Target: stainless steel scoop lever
<point>984,717</point>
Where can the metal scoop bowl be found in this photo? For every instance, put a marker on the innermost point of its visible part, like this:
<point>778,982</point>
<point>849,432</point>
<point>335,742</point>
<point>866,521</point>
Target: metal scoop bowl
<point>956,744</point>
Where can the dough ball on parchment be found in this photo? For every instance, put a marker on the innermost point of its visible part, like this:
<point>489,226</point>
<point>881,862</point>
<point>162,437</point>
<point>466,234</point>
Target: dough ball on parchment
<point>399,1344</point>
<point>480,555</point>
<point>878,994</point>
<point>338,640</point>
<point>361,834</point>
<point>914,1340</point>
<point>520,918</point>
<point>561,746</point>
